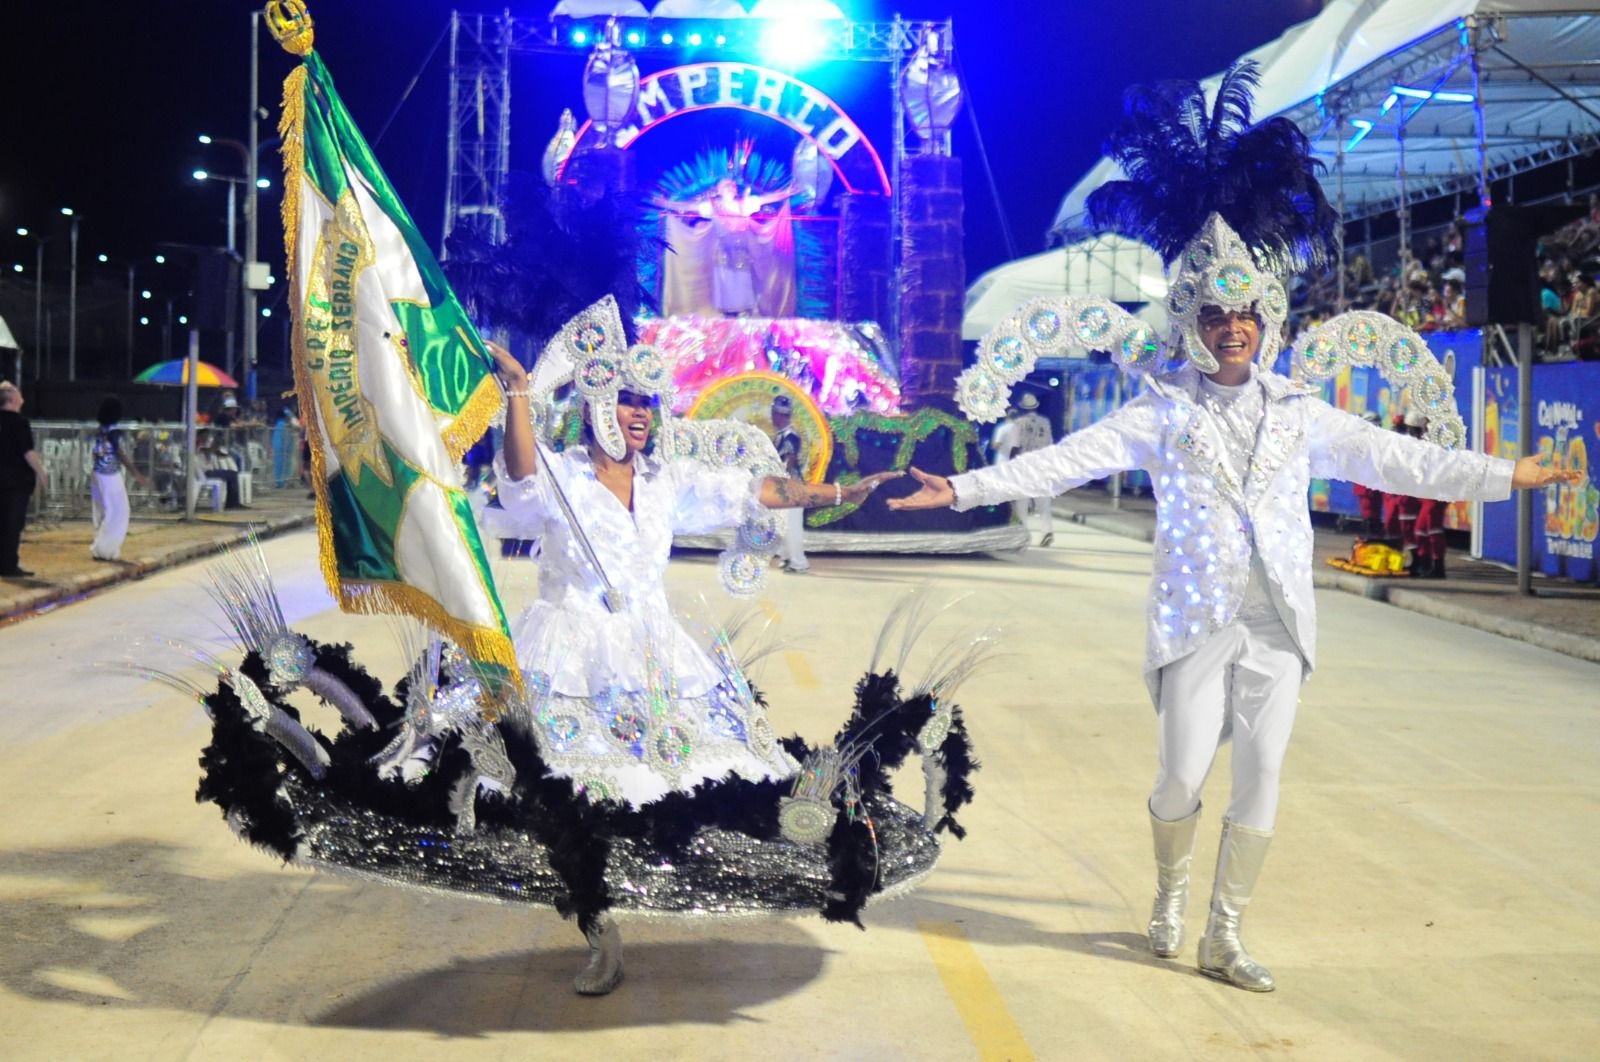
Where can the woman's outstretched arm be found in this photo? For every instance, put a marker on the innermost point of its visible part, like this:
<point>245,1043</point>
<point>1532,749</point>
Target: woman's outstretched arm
<point>521,461</point>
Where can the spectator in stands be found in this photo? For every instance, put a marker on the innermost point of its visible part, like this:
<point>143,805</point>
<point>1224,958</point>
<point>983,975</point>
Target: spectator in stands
<point>226,411</point>
<point>1454,304</point>
<point>215,462</point>
<point>21,473</point>
<point>1585,306</point>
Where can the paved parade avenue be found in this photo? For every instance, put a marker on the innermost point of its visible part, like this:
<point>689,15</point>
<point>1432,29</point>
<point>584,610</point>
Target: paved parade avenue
<point>1430,894</point>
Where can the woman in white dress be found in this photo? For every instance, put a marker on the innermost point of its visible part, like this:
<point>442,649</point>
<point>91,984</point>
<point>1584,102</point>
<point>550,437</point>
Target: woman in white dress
<point>627,703</point>
<point>107,491</point>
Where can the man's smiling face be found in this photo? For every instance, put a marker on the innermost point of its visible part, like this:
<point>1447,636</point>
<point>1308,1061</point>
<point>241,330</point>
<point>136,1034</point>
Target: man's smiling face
<point>1232,336</point>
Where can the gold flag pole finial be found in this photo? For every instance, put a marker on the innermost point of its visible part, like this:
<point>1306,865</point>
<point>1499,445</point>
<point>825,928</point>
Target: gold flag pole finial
<point>290,25</point>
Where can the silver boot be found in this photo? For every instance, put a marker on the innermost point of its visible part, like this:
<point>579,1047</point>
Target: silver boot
<point>1174,846</point>
<point>604,971</point>
<point>1222,955</point>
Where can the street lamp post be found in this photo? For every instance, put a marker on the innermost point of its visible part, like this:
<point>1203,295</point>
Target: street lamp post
<point>38,300</point>
<point>251,204</point>
<point>72,303</point>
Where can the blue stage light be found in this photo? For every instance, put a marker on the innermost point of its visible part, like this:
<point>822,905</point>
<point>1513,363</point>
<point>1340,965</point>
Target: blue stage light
<point>721,40</point>
<point>694,40</point>
<point>1364,128</point>
<point>580,36</point>
<point>667,38</point>
<point>634,37</point>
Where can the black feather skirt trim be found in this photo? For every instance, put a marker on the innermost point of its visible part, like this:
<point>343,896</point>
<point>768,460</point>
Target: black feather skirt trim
<point>715,850</point>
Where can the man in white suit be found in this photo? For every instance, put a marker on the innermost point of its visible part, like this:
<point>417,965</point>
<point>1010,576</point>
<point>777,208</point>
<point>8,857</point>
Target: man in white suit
<point>1232,620</point>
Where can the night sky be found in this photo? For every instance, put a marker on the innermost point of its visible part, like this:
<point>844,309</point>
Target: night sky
<point>103,102</point>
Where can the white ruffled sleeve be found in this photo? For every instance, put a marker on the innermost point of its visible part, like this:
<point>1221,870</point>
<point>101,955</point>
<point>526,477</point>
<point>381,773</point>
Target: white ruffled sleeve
<point>526,505</point>
<point>708,499</point>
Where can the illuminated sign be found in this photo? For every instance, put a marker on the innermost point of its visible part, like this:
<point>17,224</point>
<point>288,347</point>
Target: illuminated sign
<point>745,87</point>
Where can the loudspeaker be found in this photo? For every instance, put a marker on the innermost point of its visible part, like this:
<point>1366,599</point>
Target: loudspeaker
<point>1501,259</point>
<point>216,291</point>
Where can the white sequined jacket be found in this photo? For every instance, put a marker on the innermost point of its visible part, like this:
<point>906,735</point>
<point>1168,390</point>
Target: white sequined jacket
<point>1207,523</point>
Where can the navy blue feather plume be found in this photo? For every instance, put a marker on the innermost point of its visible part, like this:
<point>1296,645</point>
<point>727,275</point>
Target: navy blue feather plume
<point>565,251</point>
<point>1185,160</point>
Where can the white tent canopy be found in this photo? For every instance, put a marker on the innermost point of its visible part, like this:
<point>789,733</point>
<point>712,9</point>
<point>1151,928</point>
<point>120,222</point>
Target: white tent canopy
<point>1336,76</point>
<point>1122,270</point>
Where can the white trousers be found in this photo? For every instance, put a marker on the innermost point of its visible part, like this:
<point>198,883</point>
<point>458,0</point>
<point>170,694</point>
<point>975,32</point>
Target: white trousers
<point>1247,674</point>
<point>1023,507</point>
<point>793,550</point>
<point>110,510</point>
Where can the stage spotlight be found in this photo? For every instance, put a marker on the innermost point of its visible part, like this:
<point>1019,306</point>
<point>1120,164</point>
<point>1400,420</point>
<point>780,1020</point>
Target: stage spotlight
<point>792,43</point>
<point>580,37</point>
<point>695,39</point>
<point>667,38</point>
<point>634,37</point>
<point>721,40</point>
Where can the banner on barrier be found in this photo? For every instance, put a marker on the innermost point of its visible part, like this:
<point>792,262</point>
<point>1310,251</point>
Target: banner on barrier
<point>1566,427</point>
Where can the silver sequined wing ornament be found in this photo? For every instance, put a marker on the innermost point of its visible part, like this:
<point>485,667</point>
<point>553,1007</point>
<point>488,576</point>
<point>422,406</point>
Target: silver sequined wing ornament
<point>1052,327</point>
<point>1401,356</point>
<point>241,585</point>
<point>734,444</point>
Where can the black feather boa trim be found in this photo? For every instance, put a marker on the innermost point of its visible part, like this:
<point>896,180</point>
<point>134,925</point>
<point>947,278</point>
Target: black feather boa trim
<point>242,771</point>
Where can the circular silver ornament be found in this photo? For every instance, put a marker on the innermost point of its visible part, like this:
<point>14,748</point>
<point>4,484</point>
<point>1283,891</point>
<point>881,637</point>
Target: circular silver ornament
<point>1043,327</point>
<point>596,787</point>
<point>1199,255</point>
<point>805,821</point>
<point>1275,300</point>
<point>562,729</point>
<point>1139,349</point>
<point>728,446</point>
<point>1234,283</point>
<point>289,660</point>
<point>1092,325</point>
<point>1361,341</point>
<point>585,337</point>
<point>981,396</point>
<point>1183,298</point>
<point>1005,355</point>
<point>759,533</point>
<point>1449,431</point>
<point>1320,357</point>
<point>743,573</point>
<point>646,370</point>
<point>596,375</point>
<point>672,746</point>
<point>627,727</point>
<point>1402,355</point>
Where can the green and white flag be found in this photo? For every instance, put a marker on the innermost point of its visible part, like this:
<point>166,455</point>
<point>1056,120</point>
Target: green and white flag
<point>394,382</point>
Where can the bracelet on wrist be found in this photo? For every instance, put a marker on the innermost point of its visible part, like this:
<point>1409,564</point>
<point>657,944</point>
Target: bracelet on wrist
<point>521,392</point>
<point>838,495</point>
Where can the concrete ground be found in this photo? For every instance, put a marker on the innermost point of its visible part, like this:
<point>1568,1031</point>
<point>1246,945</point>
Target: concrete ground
<point>1430,894</point>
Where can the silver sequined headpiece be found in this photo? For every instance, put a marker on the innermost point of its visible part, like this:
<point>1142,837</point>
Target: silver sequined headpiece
<point>591,352</point>
<point>1217,269</point>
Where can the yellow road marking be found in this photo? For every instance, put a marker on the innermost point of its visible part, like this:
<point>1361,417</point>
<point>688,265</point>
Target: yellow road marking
<point>800,668</point>
<point>990,1025</point>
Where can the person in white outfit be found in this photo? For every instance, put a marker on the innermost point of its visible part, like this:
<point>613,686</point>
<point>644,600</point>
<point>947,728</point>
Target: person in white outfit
<point>1023,432</point>
<point>1231,447</point>
<point>791,447</point>
<point>107,491</point>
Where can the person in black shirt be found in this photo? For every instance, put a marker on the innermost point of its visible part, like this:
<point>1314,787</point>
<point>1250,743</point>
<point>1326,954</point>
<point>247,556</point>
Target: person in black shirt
<point>20,472</point>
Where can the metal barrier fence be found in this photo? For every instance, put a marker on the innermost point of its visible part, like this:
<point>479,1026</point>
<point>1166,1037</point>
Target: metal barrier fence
<point>268,458</point>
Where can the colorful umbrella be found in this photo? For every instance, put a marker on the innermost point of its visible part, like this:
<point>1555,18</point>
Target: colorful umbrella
<point>177,372</point>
